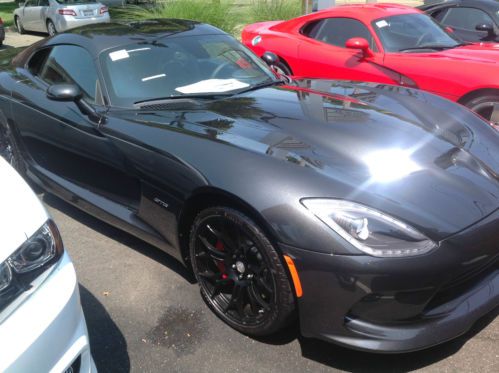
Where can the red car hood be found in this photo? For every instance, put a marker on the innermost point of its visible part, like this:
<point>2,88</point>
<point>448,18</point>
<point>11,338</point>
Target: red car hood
<point>482,53</point>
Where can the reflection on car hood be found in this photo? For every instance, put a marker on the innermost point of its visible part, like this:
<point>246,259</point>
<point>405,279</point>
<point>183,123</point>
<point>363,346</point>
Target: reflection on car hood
<point>415,155</point>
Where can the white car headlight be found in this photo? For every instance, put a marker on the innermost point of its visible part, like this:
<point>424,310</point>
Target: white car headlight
<point>369,230</point>
<point>5,276</point>
<point>35,252</point>
<point>34,256</point>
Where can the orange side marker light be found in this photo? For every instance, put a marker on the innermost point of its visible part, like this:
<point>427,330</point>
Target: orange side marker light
<point>294,276</point>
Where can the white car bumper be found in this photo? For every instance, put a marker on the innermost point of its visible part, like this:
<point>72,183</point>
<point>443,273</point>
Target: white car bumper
<point>47,332</point>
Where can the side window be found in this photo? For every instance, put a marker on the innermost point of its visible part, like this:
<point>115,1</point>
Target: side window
<point>439,14</point>
<point>466,18</point>
<point>29,3</point>
<point>313,28</point>
<point>336,31</point>
<point>43,3</point>
<point>70,64</point>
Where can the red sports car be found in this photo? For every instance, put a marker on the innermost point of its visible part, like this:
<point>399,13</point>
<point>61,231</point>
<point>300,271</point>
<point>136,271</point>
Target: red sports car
<point>384,43</point>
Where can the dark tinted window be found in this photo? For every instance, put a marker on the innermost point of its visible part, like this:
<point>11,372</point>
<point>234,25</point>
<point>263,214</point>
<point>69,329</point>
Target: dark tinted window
<point>439,14</point>
<point>465,18</point>
<point>336,31</point>
<point>43,3</point>
<point>70,64</point>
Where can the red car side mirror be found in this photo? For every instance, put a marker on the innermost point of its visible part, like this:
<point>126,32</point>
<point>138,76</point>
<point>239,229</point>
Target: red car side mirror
<point>360,43</point>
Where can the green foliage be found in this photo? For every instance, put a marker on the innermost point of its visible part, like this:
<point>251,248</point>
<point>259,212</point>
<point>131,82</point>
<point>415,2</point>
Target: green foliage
<point>216,13</point>
<point>6,12</point>
<point>271,10</point>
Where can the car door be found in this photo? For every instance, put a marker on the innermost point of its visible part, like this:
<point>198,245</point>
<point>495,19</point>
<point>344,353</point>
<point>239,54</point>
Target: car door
<point>324,53</point>
<point>463,20</point>
<point>40,16</point>
<point>62,142</point>
<point>28,14</point>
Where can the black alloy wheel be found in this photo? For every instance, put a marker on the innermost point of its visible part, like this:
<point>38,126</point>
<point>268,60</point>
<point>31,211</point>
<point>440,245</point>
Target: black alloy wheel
<point>241,276</point>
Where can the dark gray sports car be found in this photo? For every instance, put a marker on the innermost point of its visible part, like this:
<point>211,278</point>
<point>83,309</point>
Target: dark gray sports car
<point>367,211</point>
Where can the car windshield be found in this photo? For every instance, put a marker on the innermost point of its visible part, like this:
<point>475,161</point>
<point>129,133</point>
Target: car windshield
<point>182,66</point>
<point>411,32</point>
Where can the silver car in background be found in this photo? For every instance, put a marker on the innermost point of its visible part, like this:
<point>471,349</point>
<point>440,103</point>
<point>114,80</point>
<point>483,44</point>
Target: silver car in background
<point>55,16</point>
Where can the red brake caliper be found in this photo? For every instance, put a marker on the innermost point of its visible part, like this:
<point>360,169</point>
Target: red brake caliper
<point>220,246</point>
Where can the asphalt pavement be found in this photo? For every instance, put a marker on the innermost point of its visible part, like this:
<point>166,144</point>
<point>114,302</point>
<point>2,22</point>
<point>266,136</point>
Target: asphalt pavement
<point>145,314</point>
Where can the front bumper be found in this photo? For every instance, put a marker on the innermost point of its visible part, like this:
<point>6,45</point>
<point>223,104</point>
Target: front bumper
<point>400,304</point>
<point>47,332</point>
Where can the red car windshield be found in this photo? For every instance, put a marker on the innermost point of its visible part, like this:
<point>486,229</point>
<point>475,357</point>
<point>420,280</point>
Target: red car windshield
<point>412,32</point>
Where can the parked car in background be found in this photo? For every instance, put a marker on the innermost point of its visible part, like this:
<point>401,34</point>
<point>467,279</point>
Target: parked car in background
<point>384,43</point>
<point>368,210</point>
<point>42,327</point>
<point>53,16</point>
<point>471,20</point>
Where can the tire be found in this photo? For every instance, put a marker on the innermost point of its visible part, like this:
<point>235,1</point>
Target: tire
<point>283,69</point>
<point>486,105</point>
<point>51,28</point>
<point>240,274</point>
<point>10,151</point>
<point>19,26</point>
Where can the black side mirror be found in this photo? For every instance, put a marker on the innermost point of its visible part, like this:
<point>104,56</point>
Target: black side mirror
<point>270,58</point>
<point>71,92</point>
<point>64,92</point>
<point>486,27</point>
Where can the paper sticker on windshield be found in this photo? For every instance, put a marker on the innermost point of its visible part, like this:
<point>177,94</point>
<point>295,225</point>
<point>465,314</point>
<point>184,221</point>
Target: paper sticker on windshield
<point>212,86</point>
<point>382,23</point>
<point>119,55</point>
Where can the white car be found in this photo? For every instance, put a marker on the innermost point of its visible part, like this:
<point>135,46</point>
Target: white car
<point>42,327</point>
<point>55,16</point>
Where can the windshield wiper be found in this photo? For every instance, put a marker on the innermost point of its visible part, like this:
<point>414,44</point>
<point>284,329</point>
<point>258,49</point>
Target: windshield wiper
<point>207,96</point>
<point>433,46</point>
<point>267,83</point>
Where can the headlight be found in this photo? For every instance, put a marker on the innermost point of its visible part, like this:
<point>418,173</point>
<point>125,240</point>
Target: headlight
<point>5,276</point>
<point>36,251</point>
<point>369,230</point>
<point>31,259</point>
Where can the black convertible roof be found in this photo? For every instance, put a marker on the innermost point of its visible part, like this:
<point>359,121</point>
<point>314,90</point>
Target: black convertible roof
<point>99,37</point>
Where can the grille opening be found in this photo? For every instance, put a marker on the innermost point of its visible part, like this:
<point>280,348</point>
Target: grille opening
<point>462,284</point>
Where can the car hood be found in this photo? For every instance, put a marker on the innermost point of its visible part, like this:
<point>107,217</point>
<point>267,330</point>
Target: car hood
<point>414,155</point>
<point>480,53</point>
<point>21,213</point>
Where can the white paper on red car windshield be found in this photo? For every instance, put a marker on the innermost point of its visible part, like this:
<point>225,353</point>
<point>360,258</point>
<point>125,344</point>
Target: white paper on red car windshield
<point>212,85</point>
<point>382,23</point>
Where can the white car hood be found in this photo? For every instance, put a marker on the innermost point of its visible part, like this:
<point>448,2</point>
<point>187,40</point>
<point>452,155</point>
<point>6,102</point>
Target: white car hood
<point>21,212</point>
